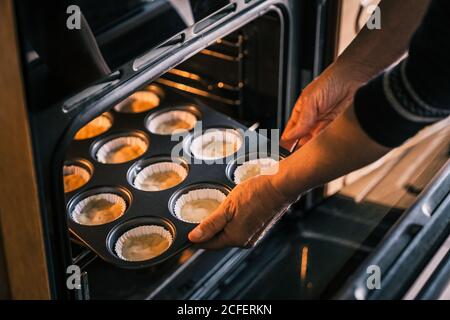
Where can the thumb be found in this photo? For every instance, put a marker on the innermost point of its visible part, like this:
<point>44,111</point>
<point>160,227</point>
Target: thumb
<point>305,120</point>
<point>212,225</point>
<point>287,144</point>
<point>302,127</point>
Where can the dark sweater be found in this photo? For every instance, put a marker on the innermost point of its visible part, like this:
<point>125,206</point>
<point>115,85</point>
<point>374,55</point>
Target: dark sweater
<point>415,93</point>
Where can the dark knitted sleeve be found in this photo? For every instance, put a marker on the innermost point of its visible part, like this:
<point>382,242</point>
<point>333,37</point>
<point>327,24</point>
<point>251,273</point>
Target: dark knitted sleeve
<point>415,93</point>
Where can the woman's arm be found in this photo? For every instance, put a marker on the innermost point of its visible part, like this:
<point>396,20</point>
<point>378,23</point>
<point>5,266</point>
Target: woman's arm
<point>371,52</point>
<point>387,111</point>
<point>339,149</point>
<point>256,204</point>
<point>415,93</point>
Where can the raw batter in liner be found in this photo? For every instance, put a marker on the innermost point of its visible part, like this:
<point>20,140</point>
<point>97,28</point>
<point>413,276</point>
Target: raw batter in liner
<point>73,182</point>
<point>252,171</point>
<point>99,211</point>
<point>196,210</point>
<point>124,153</point>
<point>171,126</point>
<point>140,101</point>
<point>221,148</point>
<point>144,247</point>
<point>257,168</point>
<point>161,181</point>
<point>94,128</point>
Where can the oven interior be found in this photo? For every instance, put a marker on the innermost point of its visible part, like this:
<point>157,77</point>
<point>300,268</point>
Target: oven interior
<point>238,75</point>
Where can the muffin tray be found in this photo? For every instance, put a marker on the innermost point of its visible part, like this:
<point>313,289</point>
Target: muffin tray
<point>150,207</point>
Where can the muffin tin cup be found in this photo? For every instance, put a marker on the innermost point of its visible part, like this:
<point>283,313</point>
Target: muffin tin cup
<point>202,191</point>
<point>189,112</point>
<point>157,122</point>
<point>81,168</point>
<point>138,232</point>
<point>192,141</point>
<point>143,207</point>
<point>101,124</point>
<point>265,166</point>
<point>110,144</point>
<point>139,181</point>
<point>210,144</point>
<point>115,196</point>
<point>151,97</point>
<point>250,158</point>
<point>115,238</point>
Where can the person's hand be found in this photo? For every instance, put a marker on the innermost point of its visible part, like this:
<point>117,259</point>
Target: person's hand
<point>248,212</point>
<point>322,101</point>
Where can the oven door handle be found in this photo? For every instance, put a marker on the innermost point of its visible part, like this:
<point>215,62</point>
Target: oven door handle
<point>97,89</point>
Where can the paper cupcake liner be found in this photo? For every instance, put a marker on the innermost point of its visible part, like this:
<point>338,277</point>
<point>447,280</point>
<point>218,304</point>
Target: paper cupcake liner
<point>198,194</point>
<point>78,171</point>
<point>101,124</point>
<point>110,197</point>
<point>139,181</point>
<point>219,136</point>
<point>139,232</point>
<point>111,146</point>
<point>175,115</point>
<point>267,166</point>
<point>149,97</point>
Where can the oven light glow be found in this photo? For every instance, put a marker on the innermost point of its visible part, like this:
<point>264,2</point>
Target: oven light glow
<point>304,263</point>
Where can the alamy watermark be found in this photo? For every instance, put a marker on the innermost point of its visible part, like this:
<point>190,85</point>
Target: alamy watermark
<point>73,281</point>
<point>373,281</point>
<point>374,13</point>
<point>73,21</point>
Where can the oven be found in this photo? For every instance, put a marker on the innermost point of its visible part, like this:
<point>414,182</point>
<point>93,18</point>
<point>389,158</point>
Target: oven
<point>246,60</point>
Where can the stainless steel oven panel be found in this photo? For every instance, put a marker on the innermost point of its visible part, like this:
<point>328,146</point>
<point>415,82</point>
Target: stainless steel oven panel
<point>408,247</point>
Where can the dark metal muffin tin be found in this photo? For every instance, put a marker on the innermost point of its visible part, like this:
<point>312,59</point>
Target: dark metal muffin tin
<point>144,207</point>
